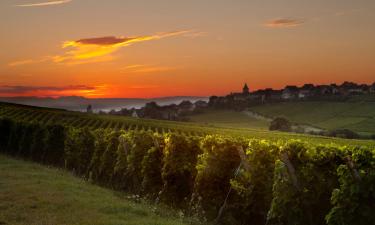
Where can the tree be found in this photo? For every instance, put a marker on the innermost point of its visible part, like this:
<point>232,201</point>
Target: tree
<point>280,124</point>
<point>89,109</point>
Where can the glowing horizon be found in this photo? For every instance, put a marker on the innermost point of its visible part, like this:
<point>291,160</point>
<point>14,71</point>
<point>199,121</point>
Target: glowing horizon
<point>162,48</point>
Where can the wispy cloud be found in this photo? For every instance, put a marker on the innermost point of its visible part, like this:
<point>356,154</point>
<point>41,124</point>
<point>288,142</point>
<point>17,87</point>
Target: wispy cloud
<point>139,68</point>
<point>347,12</point>
<point>85,50</point>
<point>100,49</point>
<point>29,61</point>
<point>40,4</point>
<point>284,23</point>
<point>84,90</point>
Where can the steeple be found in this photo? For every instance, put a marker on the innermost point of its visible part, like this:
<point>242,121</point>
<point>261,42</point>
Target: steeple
<point>245,90</point>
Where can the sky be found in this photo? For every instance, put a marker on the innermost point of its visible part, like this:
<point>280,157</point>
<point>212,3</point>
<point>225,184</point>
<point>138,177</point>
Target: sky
<point>155,48</point>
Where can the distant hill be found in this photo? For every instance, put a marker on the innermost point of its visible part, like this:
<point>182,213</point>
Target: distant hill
<point>78,103</point>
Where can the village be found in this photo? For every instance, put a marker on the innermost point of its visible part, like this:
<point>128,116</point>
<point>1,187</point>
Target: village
<point>240,101</point>
<point>332,92</point>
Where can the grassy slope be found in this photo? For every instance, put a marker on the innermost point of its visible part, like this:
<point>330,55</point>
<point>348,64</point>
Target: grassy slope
<point>33,194</point>
<point>357,116</point>
<point>228,119</point>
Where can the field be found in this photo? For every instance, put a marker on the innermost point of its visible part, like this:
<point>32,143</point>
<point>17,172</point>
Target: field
<point>356,116</point>
<point>93,121</point>
<point>314,180</point>
<point>229,119</point>
<point>35,195</point>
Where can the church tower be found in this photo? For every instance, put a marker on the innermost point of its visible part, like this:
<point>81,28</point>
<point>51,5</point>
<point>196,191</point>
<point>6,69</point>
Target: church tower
<point>245,90</point>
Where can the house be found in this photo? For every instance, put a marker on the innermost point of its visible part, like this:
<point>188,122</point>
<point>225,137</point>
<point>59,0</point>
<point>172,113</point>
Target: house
<point>306,91</point>
<point>290,92</point>
<point>135,114</point>
<point>372,88</point>
<point>334,89</point>
<point>200,104</point>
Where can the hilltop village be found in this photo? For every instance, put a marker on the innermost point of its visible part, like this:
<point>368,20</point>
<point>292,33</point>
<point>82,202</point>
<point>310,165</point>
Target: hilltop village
<point>246,98</point>
<point>332,92</point>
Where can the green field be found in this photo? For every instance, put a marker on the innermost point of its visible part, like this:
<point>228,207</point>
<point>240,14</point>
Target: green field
<point>356,116</point>
<point>229,119</point>
<point>31,194</point>
<point>236,119</point>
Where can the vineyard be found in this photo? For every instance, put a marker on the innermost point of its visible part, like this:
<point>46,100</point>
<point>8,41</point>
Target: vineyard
<point>48,116</point>
<point>214,178</point>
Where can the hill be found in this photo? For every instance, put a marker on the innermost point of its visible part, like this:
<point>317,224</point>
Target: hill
<point>353,115</point>
<point>229,119</point>
<point>93,121</point>
<point>78,103</point>
<point>33,194</point>
<point>259,180</point>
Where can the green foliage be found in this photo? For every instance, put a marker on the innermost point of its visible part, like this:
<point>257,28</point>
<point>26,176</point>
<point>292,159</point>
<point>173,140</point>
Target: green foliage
<point>37,144</point>
<point>140,143</point>
<point>253,185</point>
<point>216,166</point>
<point>108,159</point>
<point>5,129</point>
<point>79,147</point>
<point>304,180</point>
<point>54,144</point>
<point>100,146</point>
<point>236,180</point>
<point>14,137</point>
<point>354,200</point>
<point>343,133</point>
<point>151,168</point>
<point>281,124</point>
<point>178,172</point>
<point>26,140</point>
<point>120,169</point>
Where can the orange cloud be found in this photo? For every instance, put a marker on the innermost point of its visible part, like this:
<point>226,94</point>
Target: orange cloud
<point>50,3</point>
<point>29,61</point>
<point>93,49</point>
<point>284,23</point>
<point>51,91</point>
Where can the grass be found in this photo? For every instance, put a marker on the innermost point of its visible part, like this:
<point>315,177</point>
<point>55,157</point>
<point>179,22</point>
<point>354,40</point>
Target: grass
<point>31,194</point>
<point>357,116</point>
<point>228,119</point>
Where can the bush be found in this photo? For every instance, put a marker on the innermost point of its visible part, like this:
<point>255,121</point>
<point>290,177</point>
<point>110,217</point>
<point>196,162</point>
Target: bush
<point>354,200</point>
<point>304,180</point>
<point>100,146</point>
<point>253,185</point>
<point>54,144</point>
<point>216,166</point>
<point>79,147</point>
<point>120,171</point>
<point>280,124</point>
<point>5,129</point>
<point>140,143</point>
<point>152,164</point>
<point>26,140</point>
<point>108,159</point>
<point>343,133</point>
<point>178,172</point>
<point>14,137</point>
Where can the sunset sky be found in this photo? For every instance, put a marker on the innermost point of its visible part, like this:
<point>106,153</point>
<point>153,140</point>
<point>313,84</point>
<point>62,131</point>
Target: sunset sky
<point>153,48</point>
